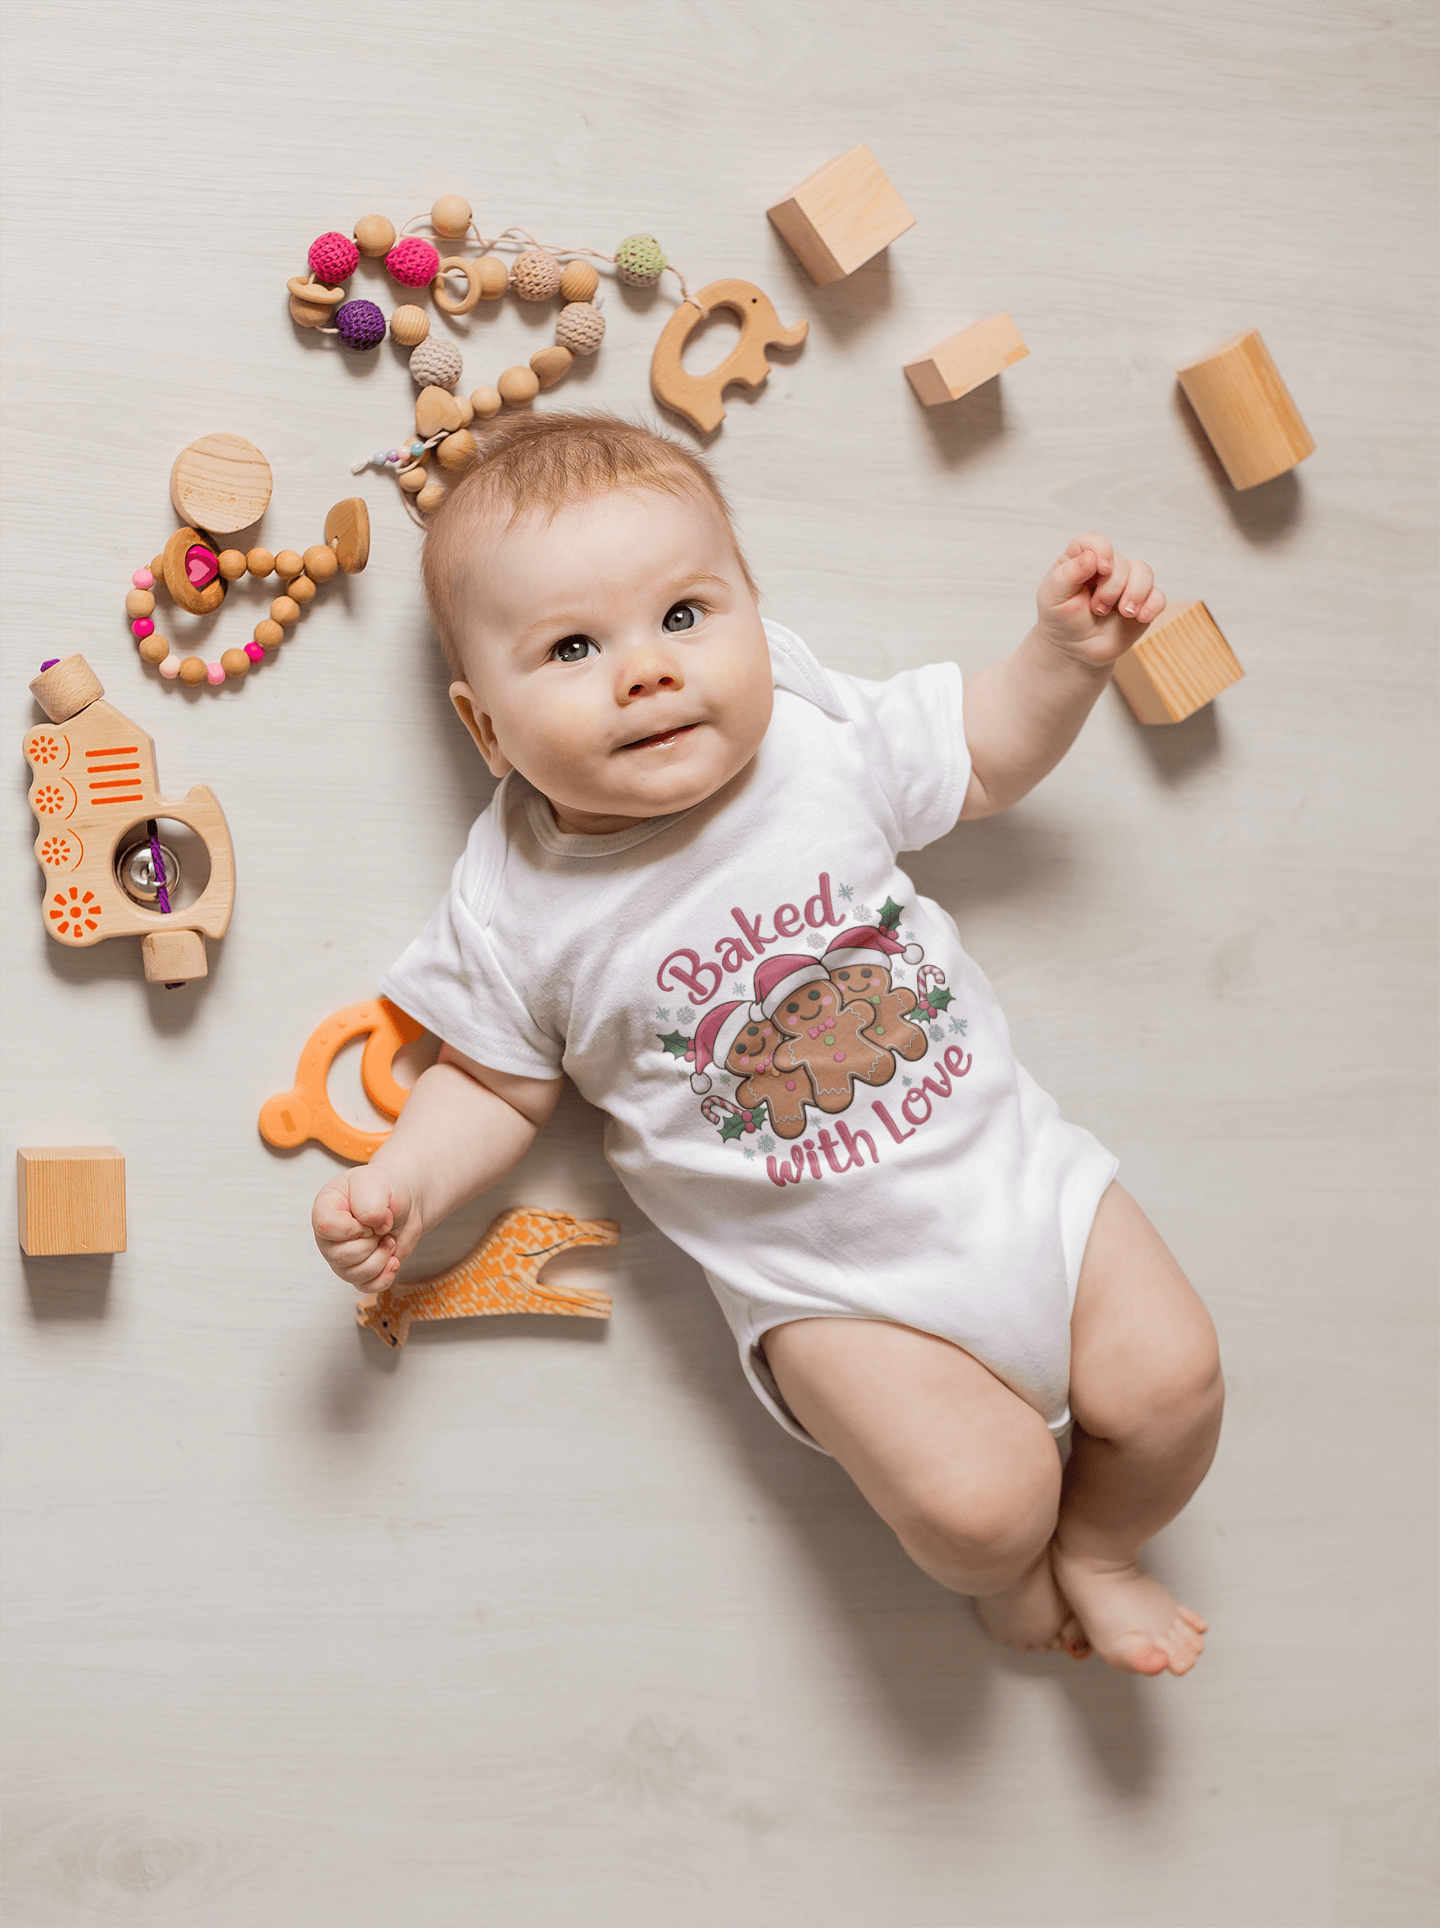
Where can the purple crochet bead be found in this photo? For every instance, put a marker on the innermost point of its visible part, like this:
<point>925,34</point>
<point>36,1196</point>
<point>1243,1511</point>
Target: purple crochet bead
<point>360,324</point>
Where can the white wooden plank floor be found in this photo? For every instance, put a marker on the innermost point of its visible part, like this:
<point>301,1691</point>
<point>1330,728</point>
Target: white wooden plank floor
<point>545,1624</point>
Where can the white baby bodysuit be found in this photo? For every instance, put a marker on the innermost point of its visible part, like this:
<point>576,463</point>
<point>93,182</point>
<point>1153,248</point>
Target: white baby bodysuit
<point>809,1086</point>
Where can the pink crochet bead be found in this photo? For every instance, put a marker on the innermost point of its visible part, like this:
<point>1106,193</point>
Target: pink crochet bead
<point>333,258</point>
<point>170,668</point>
<point>214,672</point>
<point>142,627</point>
<point>143,579</point>
<point>413,262</point>
<point>256,652</point>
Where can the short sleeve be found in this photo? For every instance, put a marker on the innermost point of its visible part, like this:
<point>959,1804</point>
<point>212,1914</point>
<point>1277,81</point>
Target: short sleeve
<point>454,980</point>
<point>913,730</point>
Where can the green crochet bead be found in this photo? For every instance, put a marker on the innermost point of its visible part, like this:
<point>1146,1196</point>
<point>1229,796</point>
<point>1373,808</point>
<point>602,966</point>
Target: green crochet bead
<point>640,260</point>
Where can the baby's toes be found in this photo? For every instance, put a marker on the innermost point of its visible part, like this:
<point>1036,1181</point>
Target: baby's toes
<point>1193,1619</point>
<point>1073,1639</point>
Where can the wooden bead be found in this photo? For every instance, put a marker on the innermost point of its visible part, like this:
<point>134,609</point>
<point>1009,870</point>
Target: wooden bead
<point>486,402</point>
<point>414,480</point>
<point>267,634</point>
<point>321,563</point>
<point>518,386</point>
<point>374,235</point>
<point>451,215</point>
<point>232,564</point>
<point>493,272</point>
<point>289,563</point>
<point>436,410</point>
<point>457,451</point>
<point>192,670</point>
<point>157,567</point>
<point>284,610</point>
<point>302,590</point>
<point>431,497</point>
<point>551,364</point>
<point>154,649</point>
<point>235,662</point>
<point>467,410</point>
<point>66,688</point>
<point>260,562</point>
<point>220,483</point>
<point>138,603</point>
<point>578,281</point>
<point>409,326</point>
<point>309,314</point>
<point>447,303</point>
<point>173,957</point>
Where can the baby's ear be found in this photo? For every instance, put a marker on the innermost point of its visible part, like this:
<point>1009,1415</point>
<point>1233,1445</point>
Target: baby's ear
<point>468,709</point>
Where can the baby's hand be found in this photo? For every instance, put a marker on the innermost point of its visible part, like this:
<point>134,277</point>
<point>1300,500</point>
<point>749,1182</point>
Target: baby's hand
<point>1094,601</point>
<point>364,1226</point>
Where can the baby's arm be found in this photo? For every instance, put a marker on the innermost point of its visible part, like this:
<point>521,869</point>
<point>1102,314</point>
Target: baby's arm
<point>463,1127</point>
<point>1023,713</point>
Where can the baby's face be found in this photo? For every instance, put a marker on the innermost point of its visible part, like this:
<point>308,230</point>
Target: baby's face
<point>615,657</point>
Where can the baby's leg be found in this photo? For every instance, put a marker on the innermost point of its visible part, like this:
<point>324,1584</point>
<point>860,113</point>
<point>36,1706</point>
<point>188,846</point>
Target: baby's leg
<point>963,1471</point>
<point>1146,1393</point>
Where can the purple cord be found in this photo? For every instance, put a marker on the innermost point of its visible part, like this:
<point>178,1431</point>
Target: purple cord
<point>50,665</point>
<point>157,858</point>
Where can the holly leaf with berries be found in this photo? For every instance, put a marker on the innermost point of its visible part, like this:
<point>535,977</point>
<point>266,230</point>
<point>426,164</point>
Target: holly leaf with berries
<point>675,1042</point>
<point>942,999</point>
<point>732,1127</point>
<point>890,914</point>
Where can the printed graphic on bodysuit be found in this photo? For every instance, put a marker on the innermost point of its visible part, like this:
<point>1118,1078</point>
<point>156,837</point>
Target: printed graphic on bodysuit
<point>801,1034</point>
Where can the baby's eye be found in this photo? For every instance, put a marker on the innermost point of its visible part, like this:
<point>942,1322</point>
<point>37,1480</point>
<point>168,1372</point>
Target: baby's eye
<point>682,616</point>
<point>571,649</point>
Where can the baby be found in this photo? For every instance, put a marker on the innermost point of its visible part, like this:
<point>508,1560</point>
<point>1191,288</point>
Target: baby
<point>684,895</point>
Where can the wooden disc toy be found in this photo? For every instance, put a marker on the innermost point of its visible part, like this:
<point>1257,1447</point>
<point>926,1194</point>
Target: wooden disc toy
<point>221,483</point>
<point>697,397</point>
<point>305,1111</point>
<point>96,795</point>
<point>501,1274</point>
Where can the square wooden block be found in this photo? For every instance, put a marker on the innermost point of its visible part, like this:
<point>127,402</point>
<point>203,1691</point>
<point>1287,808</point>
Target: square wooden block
<point>1246,410</point>
<point>842,216</point>
<point>71,1199</point>
<point>1180,664</point>
<point>962,362</point>
<point>173,957</point>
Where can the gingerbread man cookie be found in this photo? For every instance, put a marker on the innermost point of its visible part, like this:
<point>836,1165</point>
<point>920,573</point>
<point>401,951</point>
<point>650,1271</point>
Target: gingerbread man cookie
<point>828,1040</point>
<point>784,1090</point>
<point>870,984</point>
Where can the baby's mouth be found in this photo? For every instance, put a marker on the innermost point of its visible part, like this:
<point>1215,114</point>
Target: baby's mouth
<point>662,738</point>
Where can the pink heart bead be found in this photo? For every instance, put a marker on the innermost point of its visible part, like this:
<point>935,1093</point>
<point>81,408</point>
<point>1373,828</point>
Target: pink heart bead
<point>202,565</point>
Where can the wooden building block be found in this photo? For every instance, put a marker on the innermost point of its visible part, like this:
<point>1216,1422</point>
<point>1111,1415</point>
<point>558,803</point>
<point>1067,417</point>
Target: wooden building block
<point>842,216</point>
<point>977,354</point>
<point>71,1199</point>
<point>1246,410</point>
<point>1178,665</point>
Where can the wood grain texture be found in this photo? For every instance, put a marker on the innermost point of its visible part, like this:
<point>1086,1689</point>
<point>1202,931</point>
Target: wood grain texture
<point>546,1621</point>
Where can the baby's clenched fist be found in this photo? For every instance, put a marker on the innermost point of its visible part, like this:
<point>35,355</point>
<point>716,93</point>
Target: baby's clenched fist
<point>1094,599</point>
<point>364,1227</point>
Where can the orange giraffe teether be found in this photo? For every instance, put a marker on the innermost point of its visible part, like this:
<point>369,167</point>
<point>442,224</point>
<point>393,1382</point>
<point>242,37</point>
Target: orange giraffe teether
<point>500,1275</point>
<point>697,397</point>
<point>305,1111</point>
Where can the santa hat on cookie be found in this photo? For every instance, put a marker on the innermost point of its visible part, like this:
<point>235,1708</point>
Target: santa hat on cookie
<point>714,1037</point>
<point>777,977</point>
<point>868,944</point>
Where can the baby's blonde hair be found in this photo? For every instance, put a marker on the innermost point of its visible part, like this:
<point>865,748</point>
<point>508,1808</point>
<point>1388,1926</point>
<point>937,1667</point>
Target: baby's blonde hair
<point>542,462</point>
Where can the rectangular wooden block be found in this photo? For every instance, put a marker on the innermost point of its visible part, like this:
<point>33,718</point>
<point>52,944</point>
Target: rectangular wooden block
<point>962,362</point>
<point>842,216</point>
<point>1179,664</point>
<point>71,1199</point>
<point>1246,410</point>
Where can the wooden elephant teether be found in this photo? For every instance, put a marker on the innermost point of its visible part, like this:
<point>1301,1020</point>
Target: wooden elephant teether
<point>697,397</point>
<point>94,790</point>
<point>500,1275</point>
<point>305,1111</point>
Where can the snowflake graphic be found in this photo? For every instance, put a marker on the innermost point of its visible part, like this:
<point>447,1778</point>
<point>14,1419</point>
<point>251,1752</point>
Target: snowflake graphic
<point>865,914</point>
<point>767,1143</point>
<point>739,986</point>
<point>909,936</point>
<point>936,1034</point>
<point>958,1024</point>
<point>662,1014</point>
<point>907,1081</point>
<point>725,1077</point>
<point>815,940</point>
<point>684,1015</point>
<point>847,891</point>
<point>749,1150</point>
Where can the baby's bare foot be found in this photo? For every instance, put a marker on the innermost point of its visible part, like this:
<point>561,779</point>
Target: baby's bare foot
<point>1033,1616</point>
<point>1132,1622</point>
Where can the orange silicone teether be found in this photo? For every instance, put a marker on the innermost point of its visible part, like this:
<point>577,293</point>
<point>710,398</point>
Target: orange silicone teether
<point>305,1111</point>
